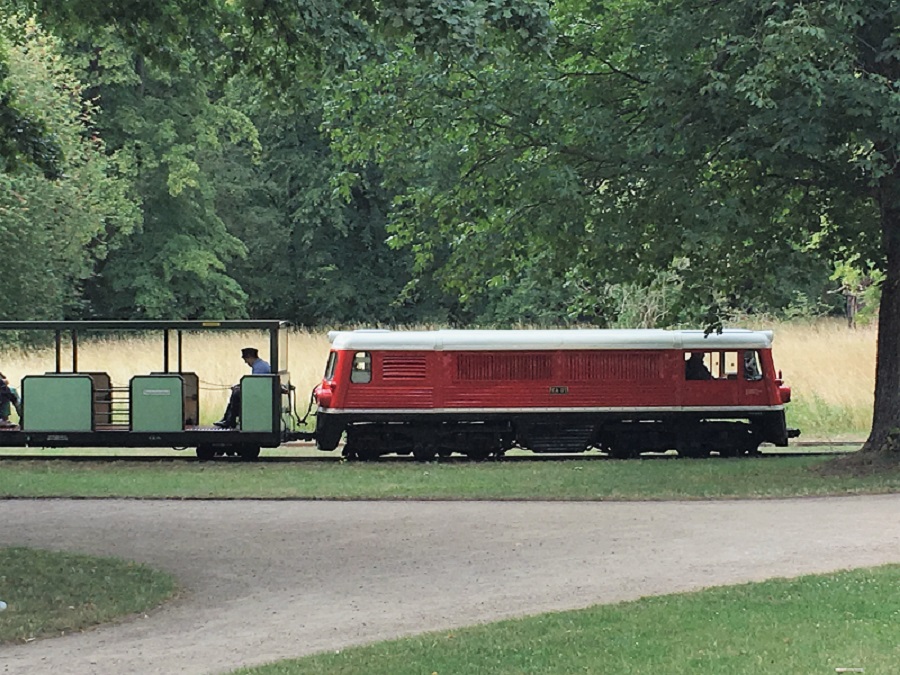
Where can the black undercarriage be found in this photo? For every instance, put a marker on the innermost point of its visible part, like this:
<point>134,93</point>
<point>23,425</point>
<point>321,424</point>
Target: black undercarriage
<point>427,436</point>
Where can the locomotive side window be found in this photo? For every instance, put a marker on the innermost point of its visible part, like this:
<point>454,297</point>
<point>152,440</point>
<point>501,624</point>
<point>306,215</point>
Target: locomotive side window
<point>711,365</point>
<point>362,368</point>
<point>330,366</point>
<point>728,365</point>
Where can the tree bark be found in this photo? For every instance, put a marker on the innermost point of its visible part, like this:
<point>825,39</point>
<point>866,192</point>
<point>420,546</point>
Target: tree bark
<point>885,435</point>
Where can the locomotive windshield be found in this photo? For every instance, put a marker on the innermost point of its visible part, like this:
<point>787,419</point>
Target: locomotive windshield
<point>330,366</point>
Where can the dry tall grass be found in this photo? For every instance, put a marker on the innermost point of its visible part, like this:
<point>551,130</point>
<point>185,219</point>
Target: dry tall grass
<point>830,367</point>
<point>828,360</point>
<point>831,370</point>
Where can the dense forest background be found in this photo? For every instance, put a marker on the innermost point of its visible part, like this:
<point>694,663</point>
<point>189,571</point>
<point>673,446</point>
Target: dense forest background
<point>474,163</point>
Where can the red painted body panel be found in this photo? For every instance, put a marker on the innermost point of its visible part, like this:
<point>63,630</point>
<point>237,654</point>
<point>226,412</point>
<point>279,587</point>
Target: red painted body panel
<point>540,380</point>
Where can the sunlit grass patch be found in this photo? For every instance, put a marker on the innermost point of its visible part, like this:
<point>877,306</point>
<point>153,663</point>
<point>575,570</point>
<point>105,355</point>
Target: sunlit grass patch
<point>813,624</point>
<point>587,480</point>
<point>54,593</point>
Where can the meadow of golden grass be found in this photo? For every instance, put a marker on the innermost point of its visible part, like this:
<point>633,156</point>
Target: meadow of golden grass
<point>828,360</point>
<point>830,367</point>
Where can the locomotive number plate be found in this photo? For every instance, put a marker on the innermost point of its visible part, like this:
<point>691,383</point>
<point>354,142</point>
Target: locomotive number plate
<point>559,390</point>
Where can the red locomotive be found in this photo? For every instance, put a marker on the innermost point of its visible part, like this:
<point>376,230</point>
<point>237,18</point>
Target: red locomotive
<point>482,392</point>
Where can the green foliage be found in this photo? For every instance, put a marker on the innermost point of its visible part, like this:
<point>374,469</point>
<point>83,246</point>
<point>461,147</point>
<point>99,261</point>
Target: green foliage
<point>21,137</point>
<point>718,136</point>
<point>55,230</point>
<point>314,255</point>
<point>861,285</point>
<point>621,163</point>
<point>173,127</point>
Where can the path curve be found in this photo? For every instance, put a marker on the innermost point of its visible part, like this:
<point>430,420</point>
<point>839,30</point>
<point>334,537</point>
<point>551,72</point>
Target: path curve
<point>269,580</point>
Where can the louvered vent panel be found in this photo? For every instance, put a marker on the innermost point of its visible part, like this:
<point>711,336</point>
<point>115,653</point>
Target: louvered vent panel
<point>583,367</point>
<point>404,367</point>
<point>499,367</point>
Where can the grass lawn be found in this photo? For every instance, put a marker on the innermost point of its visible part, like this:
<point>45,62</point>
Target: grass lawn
<point>814,624</point>
<point>52,593</point>
<point>590,479</point>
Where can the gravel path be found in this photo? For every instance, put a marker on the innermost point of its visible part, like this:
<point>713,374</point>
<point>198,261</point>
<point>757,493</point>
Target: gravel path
<point>269,580</point>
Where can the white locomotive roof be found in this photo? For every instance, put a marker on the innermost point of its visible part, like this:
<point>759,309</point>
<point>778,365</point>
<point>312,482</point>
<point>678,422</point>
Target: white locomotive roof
<point>576,338</point>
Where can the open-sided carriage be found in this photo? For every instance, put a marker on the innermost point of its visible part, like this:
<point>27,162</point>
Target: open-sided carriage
<point>70,407</point>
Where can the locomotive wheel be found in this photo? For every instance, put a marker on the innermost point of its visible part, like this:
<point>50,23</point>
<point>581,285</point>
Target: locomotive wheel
<point>693,452</point>
<point>620,453</point>
<point>424,453</point>
<point>206,452</point>
<point>353,454</point>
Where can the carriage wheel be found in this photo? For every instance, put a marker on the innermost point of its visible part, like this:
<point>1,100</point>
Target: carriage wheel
<point>618,452</point>
<point>248,452</point>
<point>206,452</point>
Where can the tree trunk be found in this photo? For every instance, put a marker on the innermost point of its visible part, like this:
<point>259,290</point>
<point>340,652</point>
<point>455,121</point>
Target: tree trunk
<point>885,435</point>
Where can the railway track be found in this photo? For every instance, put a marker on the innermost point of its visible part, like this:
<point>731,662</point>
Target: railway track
<point>837,448</point>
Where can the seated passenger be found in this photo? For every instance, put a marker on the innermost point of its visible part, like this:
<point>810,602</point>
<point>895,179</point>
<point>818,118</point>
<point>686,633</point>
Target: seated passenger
<point>694,368</point>
<point>233,411</point>
<point>8,397</point>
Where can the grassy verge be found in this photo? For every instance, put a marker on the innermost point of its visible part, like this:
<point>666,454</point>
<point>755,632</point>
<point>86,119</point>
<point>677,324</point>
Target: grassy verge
<point>814,624</point>
<point>52,593</point>
<point>565,480</point>
<point>817,418</point>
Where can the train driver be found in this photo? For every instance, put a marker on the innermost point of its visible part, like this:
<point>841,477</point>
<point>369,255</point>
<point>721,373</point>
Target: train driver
<point>257,367</point>
<point>695,369</point>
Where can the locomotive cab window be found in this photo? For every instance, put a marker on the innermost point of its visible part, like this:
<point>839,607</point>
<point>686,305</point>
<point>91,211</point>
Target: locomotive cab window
<point>361,373</point>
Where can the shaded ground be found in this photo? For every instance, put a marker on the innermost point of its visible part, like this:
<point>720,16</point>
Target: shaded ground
<point>269,580</point>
